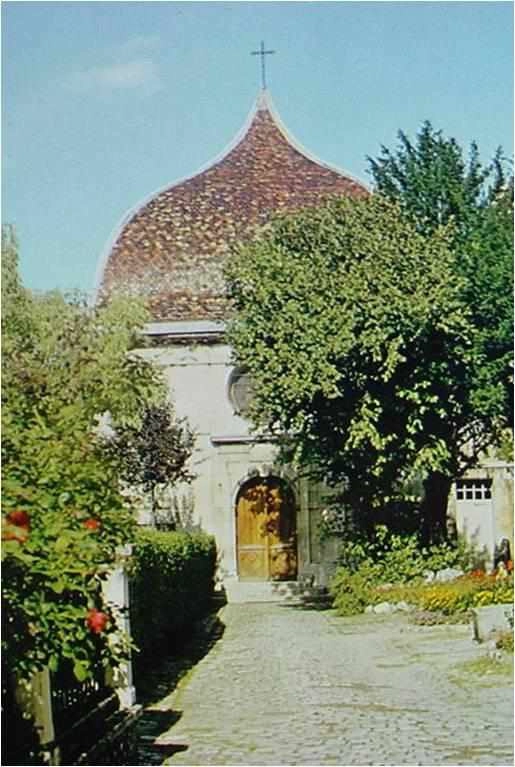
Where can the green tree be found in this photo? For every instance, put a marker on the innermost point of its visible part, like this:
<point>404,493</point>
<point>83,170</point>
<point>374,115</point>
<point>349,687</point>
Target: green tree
<point>353,328</point>
<point>63,365</point>
<point>154,453</point>
<point>434,184</point>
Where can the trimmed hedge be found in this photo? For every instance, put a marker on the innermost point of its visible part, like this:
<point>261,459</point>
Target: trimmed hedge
<point>171,584</point>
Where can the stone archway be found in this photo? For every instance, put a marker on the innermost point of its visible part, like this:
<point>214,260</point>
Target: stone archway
<point>266,536</point>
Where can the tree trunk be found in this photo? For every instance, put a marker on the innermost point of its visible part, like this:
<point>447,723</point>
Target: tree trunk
<point>153,500</point>
<point>437,487</point>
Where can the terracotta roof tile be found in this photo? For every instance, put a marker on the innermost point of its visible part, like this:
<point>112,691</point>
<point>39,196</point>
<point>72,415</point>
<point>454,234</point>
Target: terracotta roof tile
<point>172,248</point>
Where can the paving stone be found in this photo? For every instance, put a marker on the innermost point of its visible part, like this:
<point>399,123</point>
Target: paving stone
<point>290,686</point>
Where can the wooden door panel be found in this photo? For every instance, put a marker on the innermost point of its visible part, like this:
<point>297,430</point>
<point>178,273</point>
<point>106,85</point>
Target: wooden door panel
<point>283,562</point>
<point>252,562</point>
<point>265,530</point>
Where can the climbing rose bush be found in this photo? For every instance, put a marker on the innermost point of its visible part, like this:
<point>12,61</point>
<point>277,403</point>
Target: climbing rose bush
<point>64,518</point>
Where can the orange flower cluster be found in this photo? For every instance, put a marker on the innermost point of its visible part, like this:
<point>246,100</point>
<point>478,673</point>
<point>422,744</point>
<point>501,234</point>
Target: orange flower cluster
<point>16,526</point>
<point>92,524</point>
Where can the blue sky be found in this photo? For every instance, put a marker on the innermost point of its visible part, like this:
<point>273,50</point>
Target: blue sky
<point>106,102</point>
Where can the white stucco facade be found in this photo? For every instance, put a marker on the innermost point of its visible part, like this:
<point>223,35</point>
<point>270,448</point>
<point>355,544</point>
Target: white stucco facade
<point>481,505</point>
<point>226,454</point>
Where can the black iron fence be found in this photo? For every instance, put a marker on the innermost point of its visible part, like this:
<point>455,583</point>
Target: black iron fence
<point>72,700</point>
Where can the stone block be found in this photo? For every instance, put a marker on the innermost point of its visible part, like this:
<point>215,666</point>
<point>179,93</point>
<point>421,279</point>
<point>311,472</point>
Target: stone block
<point>491,618</point>
<point>383,608</point>
<point>403,607</point>
<point>448,574</point>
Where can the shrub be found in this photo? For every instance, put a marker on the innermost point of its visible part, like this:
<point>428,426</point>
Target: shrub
<point>171,583</point>
<point>398,561</point>
<point>64,365</point>
<point>399,558</point>
<point>505,641</point>
<point>388,557</point>
<point>352,591</point>
<point>460,554</point>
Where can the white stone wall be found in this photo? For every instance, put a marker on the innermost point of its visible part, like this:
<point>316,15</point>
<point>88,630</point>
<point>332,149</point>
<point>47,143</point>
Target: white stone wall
<point>485,522</point>
<point>225,455</point>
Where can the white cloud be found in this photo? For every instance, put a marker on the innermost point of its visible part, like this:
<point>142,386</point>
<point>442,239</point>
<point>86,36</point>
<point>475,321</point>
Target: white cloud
<point>135,73</point>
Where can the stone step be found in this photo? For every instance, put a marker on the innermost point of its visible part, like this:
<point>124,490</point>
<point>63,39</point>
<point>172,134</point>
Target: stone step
<point>318,600</point>
<point>290,592</point>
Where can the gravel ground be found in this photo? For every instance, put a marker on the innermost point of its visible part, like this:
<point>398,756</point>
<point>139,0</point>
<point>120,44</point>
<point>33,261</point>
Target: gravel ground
<point>290,686</point>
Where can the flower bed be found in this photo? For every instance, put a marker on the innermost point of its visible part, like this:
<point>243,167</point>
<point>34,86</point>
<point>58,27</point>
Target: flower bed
<point>457,596</point>
<point>352,592</point>
<point>394,568</point>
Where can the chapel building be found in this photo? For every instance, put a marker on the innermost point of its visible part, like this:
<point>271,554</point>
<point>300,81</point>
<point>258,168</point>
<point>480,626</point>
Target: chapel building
<point>170,250</point>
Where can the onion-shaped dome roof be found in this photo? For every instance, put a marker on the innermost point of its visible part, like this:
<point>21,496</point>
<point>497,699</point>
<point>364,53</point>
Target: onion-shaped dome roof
<point>171,248</point>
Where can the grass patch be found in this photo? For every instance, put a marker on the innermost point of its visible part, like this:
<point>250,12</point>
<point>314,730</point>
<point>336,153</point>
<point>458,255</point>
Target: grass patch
<point>504,641</point>
<point>483,672</point>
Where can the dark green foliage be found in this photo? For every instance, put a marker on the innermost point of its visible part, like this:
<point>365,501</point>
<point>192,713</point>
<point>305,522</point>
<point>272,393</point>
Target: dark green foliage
<point>172,579</point>
<point>154,452</point>
<point>351,591</point>
<point>397,558</point>
<point>64,364</point>
<point>352,326</point>
<point>433,181</point>
<point>435,185</point>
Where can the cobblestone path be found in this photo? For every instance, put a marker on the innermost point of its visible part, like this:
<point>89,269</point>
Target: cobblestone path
<point>290,686</point>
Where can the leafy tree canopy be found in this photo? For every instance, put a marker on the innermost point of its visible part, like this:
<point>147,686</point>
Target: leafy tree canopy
<point>353,327</point>
<point>154,453</point>
<point>64,364</point>
<point>381,338</point>
<point>435,184</point>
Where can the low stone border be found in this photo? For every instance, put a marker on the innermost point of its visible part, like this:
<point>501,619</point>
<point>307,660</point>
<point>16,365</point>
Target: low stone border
<point>490,619</point>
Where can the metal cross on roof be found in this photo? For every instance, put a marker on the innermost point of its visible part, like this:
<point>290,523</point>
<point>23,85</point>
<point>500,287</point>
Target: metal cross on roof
<point>262,53</point>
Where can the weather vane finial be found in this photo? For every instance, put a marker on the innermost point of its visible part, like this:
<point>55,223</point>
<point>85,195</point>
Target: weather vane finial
<point>262,53</point>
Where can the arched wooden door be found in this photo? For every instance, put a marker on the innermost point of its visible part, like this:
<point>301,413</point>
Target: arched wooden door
<point>266,530</point>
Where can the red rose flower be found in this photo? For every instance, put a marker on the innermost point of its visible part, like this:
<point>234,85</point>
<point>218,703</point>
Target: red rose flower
<point>92,524</point>
<point>96,621</point>
<point>19,518</point>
